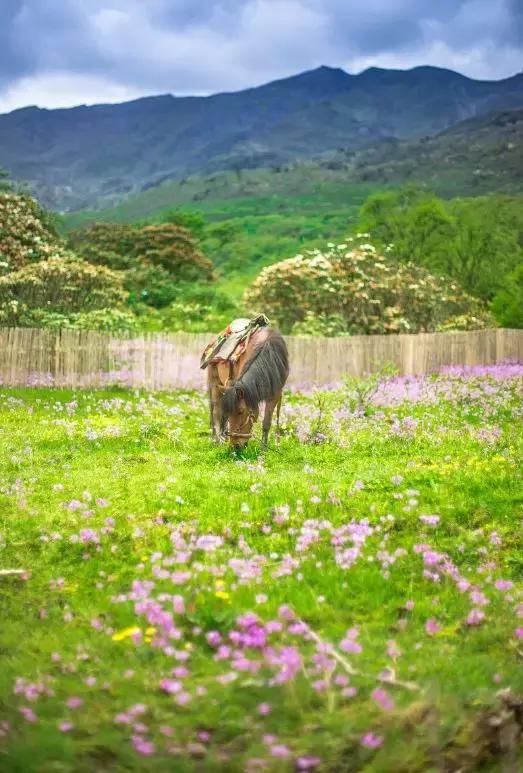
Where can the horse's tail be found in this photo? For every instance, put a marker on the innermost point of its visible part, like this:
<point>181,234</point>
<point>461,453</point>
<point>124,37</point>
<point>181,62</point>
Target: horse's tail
<point>263,376</point>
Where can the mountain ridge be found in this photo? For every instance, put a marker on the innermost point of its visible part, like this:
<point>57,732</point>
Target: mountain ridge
<point>93,156</point>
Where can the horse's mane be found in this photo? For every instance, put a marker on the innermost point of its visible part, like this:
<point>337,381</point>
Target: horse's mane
<point>264,375</point>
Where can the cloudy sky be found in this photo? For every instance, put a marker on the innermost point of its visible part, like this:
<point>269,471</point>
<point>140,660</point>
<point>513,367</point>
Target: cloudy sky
<point>57,53</point>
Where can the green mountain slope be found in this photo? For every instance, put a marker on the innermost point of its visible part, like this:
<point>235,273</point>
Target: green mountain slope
<point>478,156</point>
<point>481,155</point>
<point>93,156</point>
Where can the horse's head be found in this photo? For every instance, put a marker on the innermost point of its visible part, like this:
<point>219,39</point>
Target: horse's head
<point>239,414</point>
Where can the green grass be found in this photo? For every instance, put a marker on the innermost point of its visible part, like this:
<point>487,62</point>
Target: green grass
<point>148,461</point>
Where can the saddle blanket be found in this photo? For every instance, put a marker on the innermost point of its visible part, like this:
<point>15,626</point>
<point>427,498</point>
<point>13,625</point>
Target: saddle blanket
<point>231,343</point>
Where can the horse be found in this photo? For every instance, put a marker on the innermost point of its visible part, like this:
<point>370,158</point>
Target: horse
<point>236,389</point>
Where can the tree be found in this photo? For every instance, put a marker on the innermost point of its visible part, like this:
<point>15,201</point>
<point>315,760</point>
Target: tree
<point>507,305</point>
<point>158,260</point>
<point>485,247</point>
<point>474,241</point>
<point>165,245</point>
<point>191,221</point>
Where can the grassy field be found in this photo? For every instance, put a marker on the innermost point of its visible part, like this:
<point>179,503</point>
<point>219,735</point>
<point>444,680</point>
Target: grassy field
<point>350,601</point>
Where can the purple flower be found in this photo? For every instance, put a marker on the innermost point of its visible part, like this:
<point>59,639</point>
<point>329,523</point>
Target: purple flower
<point>371,741</point>
<point>279,750</point>
<point>475,616</point>
<point>432,627</point>
<point>74,702</point>
<point>307,763</point>
<point>89,535</point>
<point>28,714</point>
<point>213,638</point>
<point>430,520</point>
<point>382,698</point>
<point>143,747</point>
<point>170,686</point>
<point>503,585</point>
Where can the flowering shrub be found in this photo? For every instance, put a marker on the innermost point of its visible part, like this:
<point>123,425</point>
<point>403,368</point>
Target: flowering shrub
<point>27,234</point>
<point>110,320</point>
<point>164,245</point>
<point>350,289</point>
<point>63,286</point>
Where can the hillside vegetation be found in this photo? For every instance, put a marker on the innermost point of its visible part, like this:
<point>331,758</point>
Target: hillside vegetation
<point>93,156</point>
<point>187,268</point>
<point>478,156</point>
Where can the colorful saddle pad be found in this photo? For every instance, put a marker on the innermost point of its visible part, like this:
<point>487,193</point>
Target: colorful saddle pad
<point>231,343</point>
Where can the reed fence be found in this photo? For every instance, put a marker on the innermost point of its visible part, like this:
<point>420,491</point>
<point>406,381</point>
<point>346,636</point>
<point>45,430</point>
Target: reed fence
<point>169,360</point>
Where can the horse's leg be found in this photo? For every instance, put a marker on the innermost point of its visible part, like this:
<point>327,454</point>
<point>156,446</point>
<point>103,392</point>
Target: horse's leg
<point>215,404</point>
<point>218,417</point>
<point>270,405</point>
<point>278,409</point>
<point>211,409</point>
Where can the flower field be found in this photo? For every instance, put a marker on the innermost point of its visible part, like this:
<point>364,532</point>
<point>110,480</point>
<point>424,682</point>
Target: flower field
<point>353,600</point>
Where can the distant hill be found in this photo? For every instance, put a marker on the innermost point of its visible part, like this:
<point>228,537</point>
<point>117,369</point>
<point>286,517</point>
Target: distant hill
<point>480,155</point>
<point>93,156</point>
<point>475,157</point>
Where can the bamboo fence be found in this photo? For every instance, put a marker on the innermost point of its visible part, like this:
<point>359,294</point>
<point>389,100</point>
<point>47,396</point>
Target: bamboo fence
<point>171,360</point>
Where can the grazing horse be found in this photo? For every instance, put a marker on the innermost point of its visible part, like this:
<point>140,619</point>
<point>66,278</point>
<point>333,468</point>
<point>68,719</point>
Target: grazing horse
<point>236,389</point>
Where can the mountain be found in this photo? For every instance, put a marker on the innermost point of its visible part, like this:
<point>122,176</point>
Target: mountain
<point>478,156</point>
<point>93,156</point>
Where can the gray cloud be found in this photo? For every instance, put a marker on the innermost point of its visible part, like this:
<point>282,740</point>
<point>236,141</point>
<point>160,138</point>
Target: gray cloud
<point>71,51</point>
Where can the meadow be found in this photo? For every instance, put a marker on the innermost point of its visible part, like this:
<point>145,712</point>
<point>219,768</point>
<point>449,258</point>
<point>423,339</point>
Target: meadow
<point>352,600</point>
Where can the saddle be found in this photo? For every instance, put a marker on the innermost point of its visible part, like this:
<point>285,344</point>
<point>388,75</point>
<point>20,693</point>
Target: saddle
<point>231,343</point>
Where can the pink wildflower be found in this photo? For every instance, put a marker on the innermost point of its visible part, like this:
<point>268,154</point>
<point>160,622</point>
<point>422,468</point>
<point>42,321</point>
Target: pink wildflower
<point>430,520</point>
<point>307,763</point>
<point>432,626</point>
<point>503,585</point>
<point>382,698</point>
<point>28,714</point>
<point>475,616</point>
<point>74,702</point>
<point>146,748</point>
<point>371,741</point>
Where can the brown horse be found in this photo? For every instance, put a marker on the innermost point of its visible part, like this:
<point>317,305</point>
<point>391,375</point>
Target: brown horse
<point>237,389</point>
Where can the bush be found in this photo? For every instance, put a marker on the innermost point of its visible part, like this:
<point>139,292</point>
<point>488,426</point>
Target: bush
<point>63,286</point>
<point>165,246</point>
<point>111,320</point>
<point>27,233</point>
<point>350,289</point>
